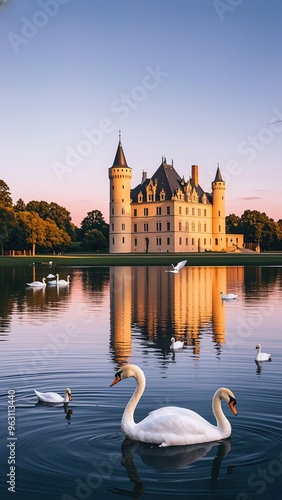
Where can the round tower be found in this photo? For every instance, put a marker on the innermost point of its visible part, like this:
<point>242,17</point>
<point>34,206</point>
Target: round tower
<point>218,212</point>
<point>120,175</point>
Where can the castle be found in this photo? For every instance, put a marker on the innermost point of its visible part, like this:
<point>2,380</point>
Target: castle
<point>166,213</point>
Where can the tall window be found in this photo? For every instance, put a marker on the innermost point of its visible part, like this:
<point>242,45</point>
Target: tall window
<point>135,228</point>
<point>167,210</point>
<point>135,242</point>
<point>187,211</point>
<point>135,212</point>
<point>159,226</point>
<point>180,241</point>
<point>180,210</point>
<point>158,210</point>
<point>146,227</point>
<point>168,226</point>
<point>145,211</point>
<point>180,226</point>
<point>123,227</point>
<point>168,241</point>
<point>123,211</point>
<point>113,227</point>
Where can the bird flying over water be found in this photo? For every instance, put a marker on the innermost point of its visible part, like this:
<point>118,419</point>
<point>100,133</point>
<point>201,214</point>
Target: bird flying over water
<point>176,269</point>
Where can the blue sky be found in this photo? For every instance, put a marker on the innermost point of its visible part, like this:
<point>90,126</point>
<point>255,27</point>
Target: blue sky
<point>197,81</point>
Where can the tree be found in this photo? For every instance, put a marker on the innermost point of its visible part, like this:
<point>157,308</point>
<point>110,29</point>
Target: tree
<point>20,206</point>
<point>257,228</point>
<point>94,240</point>
<point>94,220</point>
<point>232,223</point>
<point>55,212</point>
<point>7,224</point>
<point>32,227</point>
<point>5,195</point>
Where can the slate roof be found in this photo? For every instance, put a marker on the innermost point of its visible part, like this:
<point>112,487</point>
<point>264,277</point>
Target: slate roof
<point>218,176</point>
<point>120,160</point>
<point>169,180</point>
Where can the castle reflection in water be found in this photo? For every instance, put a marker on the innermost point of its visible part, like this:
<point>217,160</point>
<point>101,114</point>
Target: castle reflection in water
<point>155,305</point>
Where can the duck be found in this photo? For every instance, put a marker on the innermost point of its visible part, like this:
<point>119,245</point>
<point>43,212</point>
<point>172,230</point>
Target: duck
<point>228,296</point>
<point>262,356</point>
<point>172,425</point>
<point>54,397</point>
<point>176,269</point>
<point>176,344</point>
<point>38,283</point>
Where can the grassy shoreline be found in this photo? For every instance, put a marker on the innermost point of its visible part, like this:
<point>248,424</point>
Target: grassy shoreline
<point>193,259</point>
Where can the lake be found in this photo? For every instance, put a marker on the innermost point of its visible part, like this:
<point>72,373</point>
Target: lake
<point>78,335</point>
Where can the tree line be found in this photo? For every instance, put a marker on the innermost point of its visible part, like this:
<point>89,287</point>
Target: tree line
<point>43,227</point>
<point>257,228</point>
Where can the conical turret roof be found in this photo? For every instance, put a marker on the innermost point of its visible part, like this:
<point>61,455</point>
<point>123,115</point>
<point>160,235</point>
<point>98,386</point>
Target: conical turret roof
<point>218,176</point>
<point>120,160</point>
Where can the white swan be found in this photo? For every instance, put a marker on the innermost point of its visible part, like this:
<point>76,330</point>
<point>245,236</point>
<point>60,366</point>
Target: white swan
<point>228,296</point>
<point>50,275</point>
<point>53,282</point>
<point>170,425</point>
<point>176,344</point>
<point>176,269</point>
<point>64,282</point>
<point>53,397</point>
<point>38,283</point>
<point>262,356</point>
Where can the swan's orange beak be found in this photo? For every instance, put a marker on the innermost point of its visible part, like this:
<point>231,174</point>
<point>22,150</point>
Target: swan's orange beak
<point>117,379</point>
<point>232,406</point>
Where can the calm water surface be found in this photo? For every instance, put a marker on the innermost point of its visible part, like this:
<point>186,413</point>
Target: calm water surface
<point>77,336</point>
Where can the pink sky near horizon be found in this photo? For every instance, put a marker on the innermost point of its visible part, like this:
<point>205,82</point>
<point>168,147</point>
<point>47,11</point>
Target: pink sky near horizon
<point>193,82</point>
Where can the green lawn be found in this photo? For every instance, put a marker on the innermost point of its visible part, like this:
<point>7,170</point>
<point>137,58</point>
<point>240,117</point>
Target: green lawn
<point>193,259</point>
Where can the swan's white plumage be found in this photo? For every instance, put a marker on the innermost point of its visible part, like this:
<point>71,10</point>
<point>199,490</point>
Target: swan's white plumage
<point>176,269</point>
<point>64,282</point>
<point>262,356</point>
<point>172,426</point>
<point>176,344</point>
<point>54,397</point>
<point>228,296</point>
<point>38,284</point>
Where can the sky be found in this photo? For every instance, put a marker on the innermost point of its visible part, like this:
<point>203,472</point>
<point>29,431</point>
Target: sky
<point>196,81</point>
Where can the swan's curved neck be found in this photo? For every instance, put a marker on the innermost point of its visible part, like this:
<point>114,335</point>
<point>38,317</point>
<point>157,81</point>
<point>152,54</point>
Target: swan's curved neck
<point>127,420</point>
<point>222,423</point>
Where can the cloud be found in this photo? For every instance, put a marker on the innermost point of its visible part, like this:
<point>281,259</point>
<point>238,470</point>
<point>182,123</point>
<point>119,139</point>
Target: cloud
<point>251,198</point>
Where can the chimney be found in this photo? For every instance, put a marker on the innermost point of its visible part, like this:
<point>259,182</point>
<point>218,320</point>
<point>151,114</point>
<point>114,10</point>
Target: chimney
<point>195,175</point>
<point>144,176</point>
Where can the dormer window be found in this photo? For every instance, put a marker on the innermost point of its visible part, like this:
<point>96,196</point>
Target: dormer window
<point>162,195</point>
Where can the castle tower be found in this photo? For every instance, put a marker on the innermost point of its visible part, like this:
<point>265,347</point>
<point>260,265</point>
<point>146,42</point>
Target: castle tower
<point>120,175</point>
<point>218,212</point>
